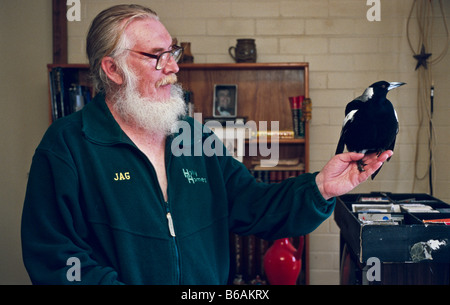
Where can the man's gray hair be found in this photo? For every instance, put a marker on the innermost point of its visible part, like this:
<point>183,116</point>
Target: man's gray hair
<point>106,38</point>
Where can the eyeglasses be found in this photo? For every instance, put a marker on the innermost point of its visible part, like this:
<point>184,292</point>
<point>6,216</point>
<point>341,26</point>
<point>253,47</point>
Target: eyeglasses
<point>163,58</point>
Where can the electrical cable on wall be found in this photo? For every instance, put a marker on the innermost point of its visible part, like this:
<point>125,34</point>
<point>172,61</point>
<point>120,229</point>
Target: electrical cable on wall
<point>425,94</point>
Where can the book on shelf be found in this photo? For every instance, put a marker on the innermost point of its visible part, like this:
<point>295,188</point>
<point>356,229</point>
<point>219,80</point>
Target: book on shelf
<point>66,93</point>
<point>269,134</point>
<point>296,103</point>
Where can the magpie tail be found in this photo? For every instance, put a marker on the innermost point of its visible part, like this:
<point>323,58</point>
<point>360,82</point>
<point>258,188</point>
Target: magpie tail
<point>376,172</point>
<point>340,146</point>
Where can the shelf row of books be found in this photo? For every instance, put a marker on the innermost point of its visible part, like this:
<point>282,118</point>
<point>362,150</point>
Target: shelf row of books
<point>300,108</point>
<point>301,112</point>
<point>67,95</point>
<point>280,169</point>
<point>275,176</point>
<point>248,260</point>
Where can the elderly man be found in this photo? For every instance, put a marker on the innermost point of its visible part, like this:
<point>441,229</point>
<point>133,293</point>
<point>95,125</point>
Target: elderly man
<point>108,202</point>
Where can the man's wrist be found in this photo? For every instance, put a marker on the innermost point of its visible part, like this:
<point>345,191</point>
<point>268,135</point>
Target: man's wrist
<point>321,187</point>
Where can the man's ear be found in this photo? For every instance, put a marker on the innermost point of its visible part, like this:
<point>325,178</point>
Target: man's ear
<point>110,68</point>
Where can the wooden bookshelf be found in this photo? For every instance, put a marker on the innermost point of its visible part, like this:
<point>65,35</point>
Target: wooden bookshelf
<point>73,73</point>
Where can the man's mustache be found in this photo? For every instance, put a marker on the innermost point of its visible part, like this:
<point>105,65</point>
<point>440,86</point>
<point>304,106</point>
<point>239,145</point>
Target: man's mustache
<point>170,79</point>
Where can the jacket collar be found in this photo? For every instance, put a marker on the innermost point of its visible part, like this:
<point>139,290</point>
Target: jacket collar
<point>99,125</point>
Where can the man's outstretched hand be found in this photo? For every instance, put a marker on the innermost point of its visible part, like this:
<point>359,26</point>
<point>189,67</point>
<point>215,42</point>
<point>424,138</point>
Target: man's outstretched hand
<point>341,175</point>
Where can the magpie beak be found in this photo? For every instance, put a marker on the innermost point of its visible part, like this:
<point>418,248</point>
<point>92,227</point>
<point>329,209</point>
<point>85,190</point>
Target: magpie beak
<point>393,85</point>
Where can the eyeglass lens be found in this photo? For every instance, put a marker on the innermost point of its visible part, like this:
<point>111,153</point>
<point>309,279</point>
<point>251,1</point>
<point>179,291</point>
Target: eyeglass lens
<point>164,58</point>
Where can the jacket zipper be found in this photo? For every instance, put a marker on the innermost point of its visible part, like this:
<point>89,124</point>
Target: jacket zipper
<point>168,214</point>
<point>174,241</point>
<point>170,222</point>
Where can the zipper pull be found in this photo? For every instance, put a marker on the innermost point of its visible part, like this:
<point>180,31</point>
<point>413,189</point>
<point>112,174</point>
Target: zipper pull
<point>170,222</point>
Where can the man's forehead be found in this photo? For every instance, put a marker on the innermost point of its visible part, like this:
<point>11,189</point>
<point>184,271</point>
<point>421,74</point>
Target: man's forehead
<point>148,34</point>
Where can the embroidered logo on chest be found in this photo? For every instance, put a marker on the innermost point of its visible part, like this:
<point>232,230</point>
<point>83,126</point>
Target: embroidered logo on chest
<point>192,176</point>
<point>122,176</point>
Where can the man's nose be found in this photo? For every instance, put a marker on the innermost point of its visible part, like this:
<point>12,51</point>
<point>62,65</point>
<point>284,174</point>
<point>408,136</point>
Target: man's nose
<point>171,67</point>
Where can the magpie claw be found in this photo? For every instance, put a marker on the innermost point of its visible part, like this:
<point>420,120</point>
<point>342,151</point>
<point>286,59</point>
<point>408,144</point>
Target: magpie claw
<point>360,164</point>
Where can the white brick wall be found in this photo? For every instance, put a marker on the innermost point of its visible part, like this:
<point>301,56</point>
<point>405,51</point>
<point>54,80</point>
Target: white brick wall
<point>346,53</point>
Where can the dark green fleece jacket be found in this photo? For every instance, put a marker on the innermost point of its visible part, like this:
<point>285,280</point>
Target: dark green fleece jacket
<point>93,201</point>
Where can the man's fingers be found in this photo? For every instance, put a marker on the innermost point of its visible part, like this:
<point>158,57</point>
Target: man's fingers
<point>385,155</point>
<point>351,156</point>
<point>372,158</point>
<point>381,158</point>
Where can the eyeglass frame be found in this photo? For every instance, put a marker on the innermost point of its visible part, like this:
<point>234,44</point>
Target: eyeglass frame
<point>172,53</point>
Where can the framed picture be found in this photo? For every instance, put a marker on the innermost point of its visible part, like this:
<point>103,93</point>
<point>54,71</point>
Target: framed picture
<point>225,101</point>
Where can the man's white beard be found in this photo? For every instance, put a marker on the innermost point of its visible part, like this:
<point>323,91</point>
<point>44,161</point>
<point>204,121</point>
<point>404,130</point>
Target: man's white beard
<point>157,116</point>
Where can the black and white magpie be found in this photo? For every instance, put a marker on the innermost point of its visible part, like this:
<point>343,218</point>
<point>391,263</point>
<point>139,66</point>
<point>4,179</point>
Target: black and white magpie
<point>371,123</point>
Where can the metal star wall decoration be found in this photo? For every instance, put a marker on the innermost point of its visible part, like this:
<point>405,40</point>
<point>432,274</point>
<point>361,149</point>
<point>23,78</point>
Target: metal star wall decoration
<point>422,58</point>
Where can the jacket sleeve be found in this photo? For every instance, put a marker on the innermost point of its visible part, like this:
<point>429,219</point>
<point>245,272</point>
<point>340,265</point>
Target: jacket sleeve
<point>54,250</point>
<point>293,207</point>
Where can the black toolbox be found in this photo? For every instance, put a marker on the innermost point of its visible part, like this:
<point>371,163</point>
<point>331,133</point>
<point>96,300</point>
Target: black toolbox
<point>395,227</point>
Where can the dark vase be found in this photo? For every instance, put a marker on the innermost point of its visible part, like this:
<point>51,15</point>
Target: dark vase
<point>187,54</point>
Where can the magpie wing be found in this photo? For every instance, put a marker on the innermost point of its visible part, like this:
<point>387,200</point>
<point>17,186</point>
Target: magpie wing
<point>353,105</point>
<point>350,111</point>
<point>347,122</point>
<point>341,144</point>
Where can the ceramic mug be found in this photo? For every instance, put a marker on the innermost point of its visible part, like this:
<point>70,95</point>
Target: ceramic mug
<point>244,51</point>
